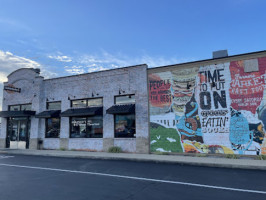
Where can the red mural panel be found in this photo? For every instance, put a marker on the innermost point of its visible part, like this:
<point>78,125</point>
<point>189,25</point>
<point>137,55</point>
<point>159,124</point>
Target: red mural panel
<point>246,88</point>
<point>159,91</point>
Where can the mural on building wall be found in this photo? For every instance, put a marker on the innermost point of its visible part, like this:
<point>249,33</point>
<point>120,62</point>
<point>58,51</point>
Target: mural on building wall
<point>209,109</point>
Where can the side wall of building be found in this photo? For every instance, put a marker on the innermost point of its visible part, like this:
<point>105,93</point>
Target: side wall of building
<point>211,107</point>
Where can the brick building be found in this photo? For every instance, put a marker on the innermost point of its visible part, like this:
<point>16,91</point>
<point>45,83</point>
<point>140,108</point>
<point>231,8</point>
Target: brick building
<point>91,111</point>
<point>208,106</point>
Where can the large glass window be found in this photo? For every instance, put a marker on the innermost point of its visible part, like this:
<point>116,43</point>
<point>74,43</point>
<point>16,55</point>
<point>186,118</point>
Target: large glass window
<point>95,126</point>
<point>53,124</point>
<point>54,105</point>
<point>52,128</point>
<point>125,126</point>
<point>125,123</point>
<point>86,127</point>
<point>126,99</point>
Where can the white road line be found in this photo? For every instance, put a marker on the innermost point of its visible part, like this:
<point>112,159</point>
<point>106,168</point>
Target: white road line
<point>137,178</point>
<point>2,157</point>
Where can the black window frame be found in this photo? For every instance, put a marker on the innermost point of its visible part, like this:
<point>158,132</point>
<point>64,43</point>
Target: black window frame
<point>134,134</point>
<point>48,102</point>
<point>46,126</point>
<point>114,117</point>
<point>124,96</point>
<point>20,105</point>
<point>46,119</point>
<point>87,100</point>
<point>86,125</point>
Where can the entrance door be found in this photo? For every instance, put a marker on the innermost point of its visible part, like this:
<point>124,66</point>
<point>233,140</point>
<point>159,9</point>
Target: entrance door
<point>18,133</point>
<point>22,134</point>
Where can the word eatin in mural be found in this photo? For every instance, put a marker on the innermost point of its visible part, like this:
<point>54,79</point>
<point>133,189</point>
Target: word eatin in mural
<point>215,108</point>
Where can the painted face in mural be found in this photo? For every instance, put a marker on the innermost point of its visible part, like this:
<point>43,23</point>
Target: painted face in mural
<point>182,88</point>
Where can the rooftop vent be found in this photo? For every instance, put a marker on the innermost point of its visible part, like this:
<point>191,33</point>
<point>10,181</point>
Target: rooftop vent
<point>219,54</point>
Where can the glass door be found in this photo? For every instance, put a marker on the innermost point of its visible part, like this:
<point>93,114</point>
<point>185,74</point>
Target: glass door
<point>22,134</point>
<point>17,133</point>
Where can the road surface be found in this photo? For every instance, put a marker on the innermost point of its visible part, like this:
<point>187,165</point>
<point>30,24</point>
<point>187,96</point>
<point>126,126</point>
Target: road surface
<point>42,178</point>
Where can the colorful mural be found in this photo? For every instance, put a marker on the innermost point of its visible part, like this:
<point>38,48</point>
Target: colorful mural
<point>209,109</point>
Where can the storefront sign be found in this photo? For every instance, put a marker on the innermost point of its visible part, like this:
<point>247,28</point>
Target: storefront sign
<point>11,89</point>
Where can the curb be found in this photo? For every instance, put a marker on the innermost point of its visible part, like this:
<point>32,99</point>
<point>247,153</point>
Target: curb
<point>161,159</point>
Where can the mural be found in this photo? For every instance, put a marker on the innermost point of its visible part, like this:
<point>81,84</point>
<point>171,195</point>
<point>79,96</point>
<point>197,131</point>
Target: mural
<point>209,109</point>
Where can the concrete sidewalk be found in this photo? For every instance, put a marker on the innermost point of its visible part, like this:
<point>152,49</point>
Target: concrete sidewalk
<point>178,159</point>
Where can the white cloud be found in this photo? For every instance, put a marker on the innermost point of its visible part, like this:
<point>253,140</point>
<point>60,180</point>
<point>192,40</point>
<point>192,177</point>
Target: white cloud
<point>10,62</point>
<point>75,69</point>
<point>105,61</point>
<point>60,58</point>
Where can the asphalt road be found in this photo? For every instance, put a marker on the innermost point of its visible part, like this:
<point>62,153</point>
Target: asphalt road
<point>39,178</point>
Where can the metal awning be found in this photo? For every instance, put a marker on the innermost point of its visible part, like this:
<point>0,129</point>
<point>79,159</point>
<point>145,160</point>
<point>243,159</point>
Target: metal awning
<point>49,114</point>
<point>121,109</point>
<point>90,111</point>
<point>24,113</point>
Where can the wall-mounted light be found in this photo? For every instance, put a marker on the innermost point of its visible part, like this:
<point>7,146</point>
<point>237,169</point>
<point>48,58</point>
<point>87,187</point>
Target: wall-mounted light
<point>93,93</point>
<point>120,91</point>
<point>69,97</point>
<point>49,99</point>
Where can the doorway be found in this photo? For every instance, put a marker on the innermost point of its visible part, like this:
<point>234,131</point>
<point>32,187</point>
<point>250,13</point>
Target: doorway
<point>18,133</point>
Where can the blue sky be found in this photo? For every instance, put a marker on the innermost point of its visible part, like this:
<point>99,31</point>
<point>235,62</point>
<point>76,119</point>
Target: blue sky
<point>65,37</point>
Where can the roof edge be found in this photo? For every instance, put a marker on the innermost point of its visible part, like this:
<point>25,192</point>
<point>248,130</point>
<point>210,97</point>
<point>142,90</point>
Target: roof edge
<point>206,60</point>
<point>107,70</point>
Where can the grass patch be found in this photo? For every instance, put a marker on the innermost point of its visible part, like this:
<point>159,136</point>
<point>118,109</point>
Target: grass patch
<point>201,155</point>
<point>115,150</point>
<point>232,156</point>
<point>161,136</point>
<point>161,153</point>
<point>261,157</point>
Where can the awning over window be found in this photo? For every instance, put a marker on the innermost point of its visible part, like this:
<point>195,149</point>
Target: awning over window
<point>49,114</point>
<point>82,112</point>
<point>25,113</point>
<point>121,109</point>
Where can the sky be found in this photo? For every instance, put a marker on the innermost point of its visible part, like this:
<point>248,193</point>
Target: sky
<point>66,37</point>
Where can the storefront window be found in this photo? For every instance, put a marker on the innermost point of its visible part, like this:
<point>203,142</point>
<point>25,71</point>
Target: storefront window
<point>54,105</point>
<point>52,128</point>
<point>127,99</point>
<point>95,126</point>
<point>78,127</point>
<point>87,127</point>
<point>125,126</point>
